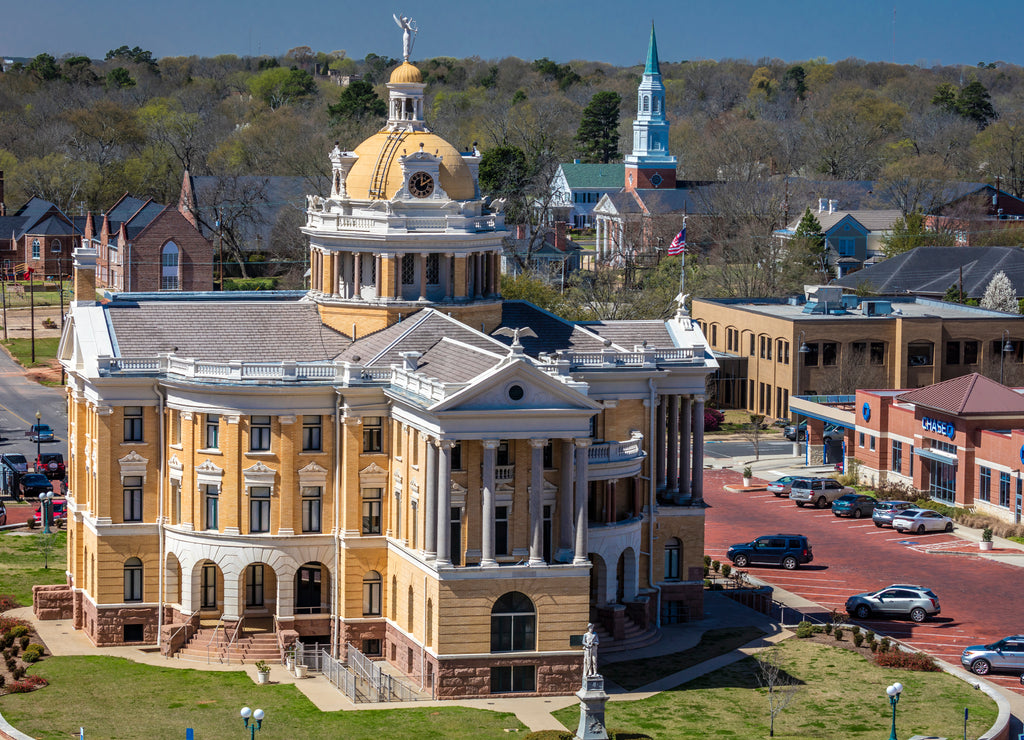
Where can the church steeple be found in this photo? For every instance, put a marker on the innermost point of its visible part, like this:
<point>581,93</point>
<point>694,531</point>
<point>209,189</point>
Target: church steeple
<point>650,165</point>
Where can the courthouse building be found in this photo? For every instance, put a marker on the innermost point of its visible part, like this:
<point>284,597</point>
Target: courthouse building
<point>397,461</point>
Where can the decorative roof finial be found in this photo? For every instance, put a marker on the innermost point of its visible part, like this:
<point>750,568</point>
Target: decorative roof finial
<point>409,31</point>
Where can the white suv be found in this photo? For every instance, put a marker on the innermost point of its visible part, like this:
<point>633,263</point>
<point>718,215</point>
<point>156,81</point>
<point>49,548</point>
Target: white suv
<point>819,491</point>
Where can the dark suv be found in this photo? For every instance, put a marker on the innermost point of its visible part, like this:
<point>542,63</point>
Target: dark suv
<point>51,464</point>
<point>787,550</point>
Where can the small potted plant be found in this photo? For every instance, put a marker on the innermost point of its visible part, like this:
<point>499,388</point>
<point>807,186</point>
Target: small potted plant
<point>986,539</point>
<point>748,473</point>
<point>262,672</point>
<point>300,669</point>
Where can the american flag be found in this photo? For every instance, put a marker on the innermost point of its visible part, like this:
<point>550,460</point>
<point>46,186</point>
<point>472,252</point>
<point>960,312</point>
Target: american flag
<point>678,245</point>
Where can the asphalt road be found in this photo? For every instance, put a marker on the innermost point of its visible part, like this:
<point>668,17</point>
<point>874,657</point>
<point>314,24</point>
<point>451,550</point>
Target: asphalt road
<point>980,599</point>
<point>20,399</point>
<point>719,449</point>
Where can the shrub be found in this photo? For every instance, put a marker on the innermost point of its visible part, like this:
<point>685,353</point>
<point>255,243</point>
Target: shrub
<point>49,324</point>
<point>713,419</point>
<point>33,653</point>
<point>855,629</point>
<point>18,630</point>
<point>15,649</point>
<point>11,664</point>
<point>30,683</point>
<point>707,583</point>
<point>873,645</point>
<point>869,636</point>
<point>883,646</point>
<point>707,561</point>
<point>24,641</point>
<point>706,571</point>
<point>748,472</point>
<point>828,628</point>
<point>804,629</point>
<point>838,633</point>
<point>268,283</point>
<point>906,661</point>
<point>5,640</point>
<point>858,639</point>
<point>715,565</point>
<point>3,680</point>
<point>726,569</point>
<point>986,534</point>
<point>18,672</point>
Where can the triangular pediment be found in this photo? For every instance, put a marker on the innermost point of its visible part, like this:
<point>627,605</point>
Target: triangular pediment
<point>312,467</point>
<point>133,457</point>
<point>517,385</point>
<point>208,466</point>
<point>373,469</point>
<point>258,468</point>
<point>174,463</point>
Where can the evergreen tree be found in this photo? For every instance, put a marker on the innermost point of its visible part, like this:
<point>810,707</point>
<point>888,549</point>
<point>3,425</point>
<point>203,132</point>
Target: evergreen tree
<point>597,138</point>
<point>358,100</point>
<point>972,102</point>
<point>1000,295</point>
<point>910,232</point>
<point>808,247</point>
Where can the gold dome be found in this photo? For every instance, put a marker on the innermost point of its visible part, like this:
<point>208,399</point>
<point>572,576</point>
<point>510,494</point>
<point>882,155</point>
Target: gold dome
<point>456,179</point>
<point>406,73</point>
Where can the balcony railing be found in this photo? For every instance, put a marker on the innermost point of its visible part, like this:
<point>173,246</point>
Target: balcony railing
<point>605,452</point>
<point>504,473</point>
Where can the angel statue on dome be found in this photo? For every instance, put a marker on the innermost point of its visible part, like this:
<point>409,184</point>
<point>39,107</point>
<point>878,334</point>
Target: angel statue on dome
<point>409,31</point>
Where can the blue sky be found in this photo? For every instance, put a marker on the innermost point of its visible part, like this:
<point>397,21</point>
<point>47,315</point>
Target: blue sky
<point>927,32</point>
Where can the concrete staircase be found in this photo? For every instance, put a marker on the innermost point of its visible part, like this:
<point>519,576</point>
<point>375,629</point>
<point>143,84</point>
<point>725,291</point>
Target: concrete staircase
<point>635,637</point>
<point>210,644</point>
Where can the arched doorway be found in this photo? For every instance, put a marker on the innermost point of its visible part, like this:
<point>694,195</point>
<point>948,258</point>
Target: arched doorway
<point>309,589</point>
<point>598,580</point>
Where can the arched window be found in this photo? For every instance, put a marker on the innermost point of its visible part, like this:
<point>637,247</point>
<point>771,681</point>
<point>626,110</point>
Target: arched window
<point>647,103</point>
<point>673,553</point>
<point>35,249</point>
<point>657,104</point>
<point>513,623</point>
<point>371,594</point>
<point>133,579</point>
<point>55,245</point>
<point>169,267</point>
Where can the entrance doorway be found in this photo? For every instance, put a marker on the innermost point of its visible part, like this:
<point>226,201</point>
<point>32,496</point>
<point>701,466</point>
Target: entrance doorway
<point>209,586</point>
<point>307,592</point>
<point>254,585</point>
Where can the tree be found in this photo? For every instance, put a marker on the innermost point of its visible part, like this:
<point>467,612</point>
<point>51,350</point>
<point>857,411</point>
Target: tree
<point>972,102</point>
<point>915,183</point>
<point>44,68</point>
<point>797,78</point>
<point>119,77</point>
<point>78,70</point>
<point>781,686</point>
<point>597,138</point>
<point>504,173</point>
<point>1000,294</point>
<point>358,100</point>
<point>808,244</point>
<point>909,232</point>
<point>1001,147</point>
<point>135,55</point>
<point>280,86</point>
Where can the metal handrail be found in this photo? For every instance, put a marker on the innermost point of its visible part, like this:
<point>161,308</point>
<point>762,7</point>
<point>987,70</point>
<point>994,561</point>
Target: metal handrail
<point>216,629</point>
<point>234,636</point>
<point>170,638</point>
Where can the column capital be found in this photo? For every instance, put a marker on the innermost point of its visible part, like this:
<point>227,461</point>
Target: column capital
<point>582,442</point>
<point>352,420</point>
<point>491,444</point>
<point>446,444</point>
<point>537,442</point>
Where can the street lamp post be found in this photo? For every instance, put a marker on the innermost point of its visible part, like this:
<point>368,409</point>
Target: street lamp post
<point>38,440</point>
<point>1007,347</point>
<point>894,692</point>
<point>256,723</point>
<point>798,361</point>
<point>46,502</point>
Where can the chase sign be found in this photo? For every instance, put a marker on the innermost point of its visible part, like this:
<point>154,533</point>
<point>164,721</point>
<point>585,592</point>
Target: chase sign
<point>944,428</point>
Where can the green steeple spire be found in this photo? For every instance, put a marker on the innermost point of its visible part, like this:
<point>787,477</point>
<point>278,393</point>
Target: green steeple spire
<point>653,67</point>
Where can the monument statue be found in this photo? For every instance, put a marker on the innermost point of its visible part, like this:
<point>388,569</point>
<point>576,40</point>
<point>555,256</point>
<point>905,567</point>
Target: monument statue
<point>409,30</point>
<point>590,642</point>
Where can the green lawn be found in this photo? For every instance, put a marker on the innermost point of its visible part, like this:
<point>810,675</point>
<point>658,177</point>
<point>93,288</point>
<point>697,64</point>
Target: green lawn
<point>21,562</point>
<point>843,697</point>
<point>116,699</point>
<point>46,350</point>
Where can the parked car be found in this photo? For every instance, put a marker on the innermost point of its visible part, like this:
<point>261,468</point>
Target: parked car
<point>40,433</point>
<point>15,461</point>
<point>898,600</point>
<point>3,514</point>
<point>886,510</point>
<point>1005,655</point>
<point>921,521</point>
<point>819,491</point>
<point>853,505</point>
<point>33,484</point>
<point>60,514</point>
<point>831,432</point>
<point>51,464</point>
<point>787,550</point>
<point>781,486</point>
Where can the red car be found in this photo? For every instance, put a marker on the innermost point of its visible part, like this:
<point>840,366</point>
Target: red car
<point>60,514</point>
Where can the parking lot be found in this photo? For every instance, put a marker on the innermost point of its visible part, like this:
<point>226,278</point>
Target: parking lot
<point>980,597</point>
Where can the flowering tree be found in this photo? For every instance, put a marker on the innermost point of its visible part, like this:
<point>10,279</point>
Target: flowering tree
<point>1000,295</point>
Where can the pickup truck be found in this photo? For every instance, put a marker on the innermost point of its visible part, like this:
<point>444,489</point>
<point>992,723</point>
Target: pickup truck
<point>818,491</point>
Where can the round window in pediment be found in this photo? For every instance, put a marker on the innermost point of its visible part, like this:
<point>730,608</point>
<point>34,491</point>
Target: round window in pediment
<point>516,392</point>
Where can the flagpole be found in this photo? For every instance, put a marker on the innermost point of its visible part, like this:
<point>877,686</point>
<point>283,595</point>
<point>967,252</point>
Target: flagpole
<point>682,265</point>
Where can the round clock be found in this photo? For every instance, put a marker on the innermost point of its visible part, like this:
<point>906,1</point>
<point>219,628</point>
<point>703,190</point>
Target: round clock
<point>421,184</point>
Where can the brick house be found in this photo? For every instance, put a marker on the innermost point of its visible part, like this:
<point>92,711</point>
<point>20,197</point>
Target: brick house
<point>38,236</point>
<point>143,246</point>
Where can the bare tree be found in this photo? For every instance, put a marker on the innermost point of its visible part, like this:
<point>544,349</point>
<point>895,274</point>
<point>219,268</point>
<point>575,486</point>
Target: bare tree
<point>753,433</point>
<point>782,687</point>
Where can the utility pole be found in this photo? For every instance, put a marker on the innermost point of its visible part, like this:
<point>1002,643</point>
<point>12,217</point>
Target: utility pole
<point>32,313</point>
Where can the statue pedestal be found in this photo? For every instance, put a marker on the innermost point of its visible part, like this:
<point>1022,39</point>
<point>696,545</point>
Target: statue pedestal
<point>592,699</point>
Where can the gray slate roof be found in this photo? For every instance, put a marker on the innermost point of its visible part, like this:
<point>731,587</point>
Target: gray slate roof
<point>246,330</point>
<point>628,334</point>
<point>455,362</point>
<point>929,271</point>
<point>553,333</point>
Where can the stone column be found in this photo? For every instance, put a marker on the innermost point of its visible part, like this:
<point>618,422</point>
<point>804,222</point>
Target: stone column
<point>565,512</point>
<point>357,275</point>
<point>686,425</point>
<point>609,501</point>
<point>380,269</point>
<point>673,443</point>
<point>423,277</point>
<point>444,504</point>
<point>487,513</point>
<point>697,487</point>
<point>537,501</point>
<point>232,606</point>
<point>658,451</point>
<point>478,281</point>
<point>582,488</point>
<point>449,276</point>
<point>430,503</point>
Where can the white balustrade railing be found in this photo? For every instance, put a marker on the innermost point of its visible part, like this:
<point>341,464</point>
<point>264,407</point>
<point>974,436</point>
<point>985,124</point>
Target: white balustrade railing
<point>606,452</point>
<point>503,473</point>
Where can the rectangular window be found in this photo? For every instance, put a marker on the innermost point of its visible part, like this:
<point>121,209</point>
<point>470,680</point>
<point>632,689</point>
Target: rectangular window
<point>1004,489</point>
<point>897,456</point>
<point>311,498</point>
<point>259,433</point>
<point>549,456</point>
<point>985,484</point>
<point>372,434</point>
<point>811,356</point>
<point>501,530</point>
<point>211,495</point>
<point>371,510</point>
<point>312,429</point>
<point>751,353</point>
<point>35,249</point>
<point>132,423</point>
<point>457,456</point>
<point>919,354</point>
<point>878,353</point>
<point>714,335</point>
<point>513,679</point>
<point>132,498</point>
<point>871,443</point>
<point>259,508</point>
<point>829,354</point>
<point>175,427</point>
<point>433,269</point>
<point>455,541</point>
<point>952,353</point>
<point>971,352</point>
<point>910,462</point>
<point>861,441</point>
<point>212,432</point>
<point>782,352</point>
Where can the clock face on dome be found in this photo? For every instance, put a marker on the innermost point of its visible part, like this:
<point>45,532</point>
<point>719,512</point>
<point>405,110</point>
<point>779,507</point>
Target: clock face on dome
<point>421,184</point>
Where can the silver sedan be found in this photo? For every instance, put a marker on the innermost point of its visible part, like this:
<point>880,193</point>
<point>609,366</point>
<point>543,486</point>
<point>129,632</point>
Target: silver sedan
<point>921,521</point>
